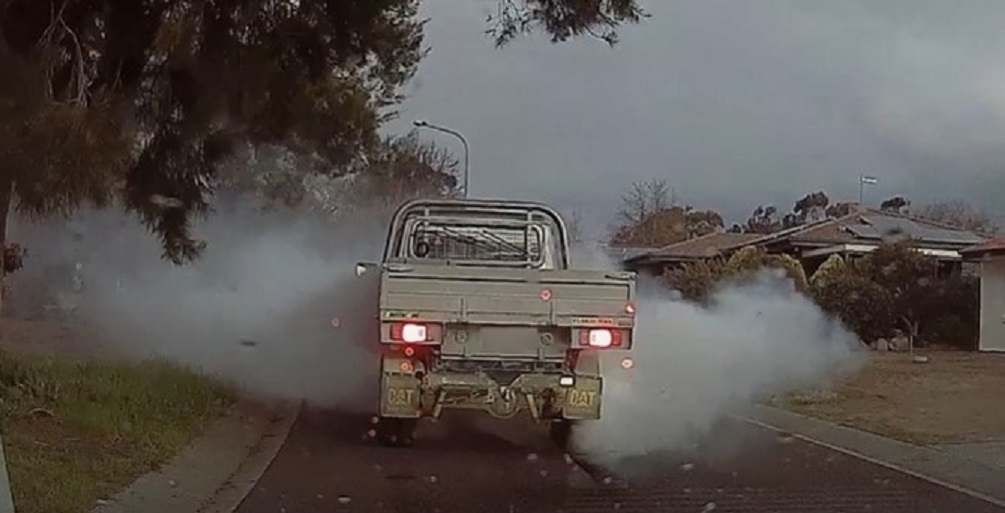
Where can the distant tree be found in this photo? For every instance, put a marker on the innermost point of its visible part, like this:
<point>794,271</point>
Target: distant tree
<point>896,204</point>
<point>840,209</point>
<point>736,228</point>
<point>791,220</point>
<point>648,217</point>
<point>702,222</point>
<point>812,207</point>
<point>658,228</point>
<point>642,199</point>
<point>645,218</point>
<point>959,214</point>
<point>763,220</point>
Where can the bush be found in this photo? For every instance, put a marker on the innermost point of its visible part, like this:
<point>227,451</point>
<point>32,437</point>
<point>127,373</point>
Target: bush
<point>956,321</point>
<point>832,269</point>
<point>696,281</point>
<point>897,287</point>
<point>863,305</point>
<point>13,257</point>
<point>892,288</point>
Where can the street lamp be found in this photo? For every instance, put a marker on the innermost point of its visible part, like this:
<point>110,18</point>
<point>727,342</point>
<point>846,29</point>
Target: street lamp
<point>420,123</point>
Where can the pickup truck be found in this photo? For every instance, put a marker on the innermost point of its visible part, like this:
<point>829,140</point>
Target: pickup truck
<point>477,308</point>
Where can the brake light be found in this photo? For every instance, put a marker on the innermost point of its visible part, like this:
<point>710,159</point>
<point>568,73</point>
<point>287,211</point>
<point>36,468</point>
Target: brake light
<point>600,338</point>
<point>410,332</point>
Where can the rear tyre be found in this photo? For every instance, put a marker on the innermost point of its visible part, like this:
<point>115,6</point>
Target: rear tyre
<point>561,432</point>
<point>392,432</point>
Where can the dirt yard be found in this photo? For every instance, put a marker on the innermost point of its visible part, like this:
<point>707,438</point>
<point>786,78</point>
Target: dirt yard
<point>956,397</point>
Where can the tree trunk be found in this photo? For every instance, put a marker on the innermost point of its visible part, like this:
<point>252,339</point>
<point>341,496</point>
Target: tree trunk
<point>912,332</point>
<point>6,194</point>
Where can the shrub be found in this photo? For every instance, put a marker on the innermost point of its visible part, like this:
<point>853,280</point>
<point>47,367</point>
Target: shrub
<point>956,319</point>
<point>696,281</point>
<point>13,257</point>
<point>863,305</point>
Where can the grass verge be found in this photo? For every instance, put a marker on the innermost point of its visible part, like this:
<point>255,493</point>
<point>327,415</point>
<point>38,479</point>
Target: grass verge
<point>76,432</point>
<point>955,398</point>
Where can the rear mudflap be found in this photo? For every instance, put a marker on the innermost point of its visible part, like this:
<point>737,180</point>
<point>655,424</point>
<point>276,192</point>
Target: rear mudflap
<point>583,401</point>
<point>400,393</point>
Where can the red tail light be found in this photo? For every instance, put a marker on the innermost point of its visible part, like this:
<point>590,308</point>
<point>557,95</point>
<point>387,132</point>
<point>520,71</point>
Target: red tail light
<point>600,338</point>
<point>410,332</point>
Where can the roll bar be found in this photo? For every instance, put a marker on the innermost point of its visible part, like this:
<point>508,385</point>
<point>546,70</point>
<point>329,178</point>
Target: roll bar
<point>444,207</point>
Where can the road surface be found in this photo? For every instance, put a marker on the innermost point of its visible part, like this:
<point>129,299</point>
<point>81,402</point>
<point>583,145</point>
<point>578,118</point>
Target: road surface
<point>476,465</point>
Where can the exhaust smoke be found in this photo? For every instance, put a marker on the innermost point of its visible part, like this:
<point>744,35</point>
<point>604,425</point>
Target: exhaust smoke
<point>273,305</point>
<point>697,364</point>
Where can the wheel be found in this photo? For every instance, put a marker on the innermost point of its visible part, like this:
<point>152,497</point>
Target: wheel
<point>392,432</point>
<point>561,432</point>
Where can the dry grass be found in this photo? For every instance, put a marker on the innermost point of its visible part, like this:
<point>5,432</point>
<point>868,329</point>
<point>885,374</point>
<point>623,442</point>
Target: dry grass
<point>957,397</point>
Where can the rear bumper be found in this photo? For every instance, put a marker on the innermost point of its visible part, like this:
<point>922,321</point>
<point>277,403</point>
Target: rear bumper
<point>576,395</point>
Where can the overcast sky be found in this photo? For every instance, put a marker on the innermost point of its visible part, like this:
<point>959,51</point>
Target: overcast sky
<point>734,103</point>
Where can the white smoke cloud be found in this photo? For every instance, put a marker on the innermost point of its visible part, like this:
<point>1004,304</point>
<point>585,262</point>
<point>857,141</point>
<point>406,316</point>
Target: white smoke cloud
<point>256,309</point>
<point>694,365</point>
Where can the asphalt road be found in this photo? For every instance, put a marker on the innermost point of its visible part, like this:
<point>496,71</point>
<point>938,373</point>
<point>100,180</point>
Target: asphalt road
<point>471,464</point>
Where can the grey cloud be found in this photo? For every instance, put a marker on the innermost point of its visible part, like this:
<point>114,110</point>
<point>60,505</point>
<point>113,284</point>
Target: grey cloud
<point>733,102</point>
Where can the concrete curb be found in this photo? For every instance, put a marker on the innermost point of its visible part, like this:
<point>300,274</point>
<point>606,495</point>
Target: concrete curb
<point>6,497</point>
<point>216,471</point>
<point>232,493</point>
<point>931,464</point>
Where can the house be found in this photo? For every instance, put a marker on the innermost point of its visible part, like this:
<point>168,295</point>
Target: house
<point>991,258</point>
<point>716,244</point>
<point>853,235</point>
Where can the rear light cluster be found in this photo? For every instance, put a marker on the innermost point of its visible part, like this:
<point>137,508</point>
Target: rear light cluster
<point>410,333</point>
<point>600,338</point>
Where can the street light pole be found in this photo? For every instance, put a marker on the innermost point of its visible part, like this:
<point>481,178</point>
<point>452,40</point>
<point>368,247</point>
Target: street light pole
<point>425,124</point>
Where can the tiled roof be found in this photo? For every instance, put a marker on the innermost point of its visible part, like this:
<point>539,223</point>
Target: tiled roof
<point>706,246</point>
<point>873,225</point>
<point>868,225</point>
<point>989,246</point>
